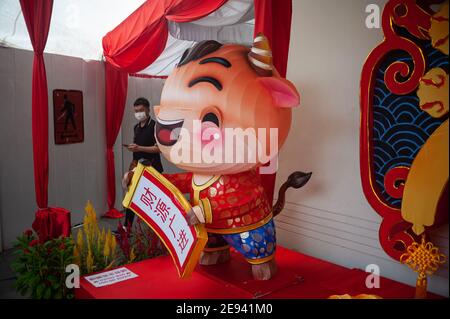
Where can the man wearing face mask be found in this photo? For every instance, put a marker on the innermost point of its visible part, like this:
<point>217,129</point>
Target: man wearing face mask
<point>144,145</point>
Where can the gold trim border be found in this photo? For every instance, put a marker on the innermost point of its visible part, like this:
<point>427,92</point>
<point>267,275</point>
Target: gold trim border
<point>206,205</point>
<point>262,222</point>
<point>198,188</point>
<point>260,261</point>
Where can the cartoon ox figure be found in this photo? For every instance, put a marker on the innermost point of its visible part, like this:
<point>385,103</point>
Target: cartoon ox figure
<point>217,87</point>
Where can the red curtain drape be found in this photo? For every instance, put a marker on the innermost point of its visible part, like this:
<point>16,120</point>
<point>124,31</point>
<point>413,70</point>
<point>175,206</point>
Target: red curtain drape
<point>115,97</point>
<point>273,18</point>
<point>49,222</point>
<point>132,46</point>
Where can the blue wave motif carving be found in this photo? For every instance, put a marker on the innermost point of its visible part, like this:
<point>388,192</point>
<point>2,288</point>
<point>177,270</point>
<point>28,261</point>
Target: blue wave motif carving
<point>400,127</point>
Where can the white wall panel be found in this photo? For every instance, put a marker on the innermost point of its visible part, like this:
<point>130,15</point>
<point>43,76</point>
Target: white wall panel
<point>330,218</point>
<point>76,171</point>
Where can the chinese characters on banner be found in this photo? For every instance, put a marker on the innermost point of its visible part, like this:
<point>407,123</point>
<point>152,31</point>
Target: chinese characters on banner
<point>161,205</point>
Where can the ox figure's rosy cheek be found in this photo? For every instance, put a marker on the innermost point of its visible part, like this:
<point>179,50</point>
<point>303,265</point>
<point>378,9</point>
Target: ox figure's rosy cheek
<point>211,134</point>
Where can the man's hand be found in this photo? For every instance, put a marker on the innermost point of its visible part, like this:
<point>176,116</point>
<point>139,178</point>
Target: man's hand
<point>195,216</point>
<point>146,149</point>
<point>126,180</point>
<point>134,148</point>
<point>155,149</point>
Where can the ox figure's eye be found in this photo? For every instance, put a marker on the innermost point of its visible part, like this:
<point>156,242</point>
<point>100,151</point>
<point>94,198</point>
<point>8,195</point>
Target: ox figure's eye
<point>211,117</point>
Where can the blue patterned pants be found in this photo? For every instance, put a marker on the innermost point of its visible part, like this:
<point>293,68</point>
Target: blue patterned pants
<point>257,245</point>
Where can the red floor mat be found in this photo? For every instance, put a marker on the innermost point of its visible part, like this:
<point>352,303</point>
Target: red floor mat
<point>237,272</point>
<point>299,276</point>
<point>158,279</point>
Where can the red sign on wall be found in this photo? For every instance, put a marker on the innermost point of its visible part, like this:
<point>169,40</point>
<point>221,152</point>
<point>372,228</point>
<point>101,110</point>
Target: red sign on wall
<point>68,116</point>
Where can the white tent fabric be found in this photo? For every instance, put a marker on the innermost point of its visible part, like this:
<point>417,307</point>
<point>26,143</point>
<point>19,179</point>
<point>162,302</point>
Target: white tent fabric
<point>78,26</point>
<point>231,23</point>
<point>224,25</point>
<point>168,58</point>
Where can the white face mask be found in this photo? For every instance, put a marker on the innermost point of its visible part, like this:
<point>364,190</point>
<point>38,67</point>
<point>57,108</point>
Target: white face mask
<point>140,116</point>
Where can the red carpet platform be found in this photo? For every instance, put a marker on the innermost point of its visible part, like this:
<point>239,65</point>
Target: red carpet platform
<point>299,276</point>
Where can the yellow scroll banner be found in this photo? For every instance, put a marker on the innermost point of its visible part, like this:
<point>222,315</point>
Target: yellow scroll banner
<point>159,191</point>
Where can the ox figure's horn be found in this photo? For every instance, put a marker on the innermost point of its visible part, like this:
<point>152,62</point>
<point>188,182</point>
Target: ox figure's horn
<point>260,55</point>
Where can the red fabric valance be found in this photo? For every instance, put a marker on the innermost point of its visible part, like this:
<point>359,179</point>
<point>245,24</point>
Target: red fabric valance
<point>141,38</point>
<point>49,222</point>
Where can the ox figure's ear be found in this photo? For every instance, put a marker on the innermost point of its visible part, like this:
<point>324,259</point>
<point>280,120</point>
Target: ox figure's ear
<point>284,93</point>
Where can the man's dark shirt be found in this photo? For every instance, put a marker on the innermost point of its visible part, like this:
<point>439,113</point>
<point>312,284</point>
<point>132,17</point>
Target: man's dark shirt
<point>145,136</point>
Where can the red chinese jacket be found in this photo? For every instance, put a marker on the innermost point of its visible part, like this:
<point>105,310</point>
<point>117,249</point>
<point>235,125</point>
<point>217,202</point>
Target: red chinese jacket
<point>231,203</point>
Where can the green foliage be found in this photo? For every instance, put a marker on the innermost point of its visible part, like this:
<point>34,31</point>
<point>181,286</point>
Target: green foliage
<point>40,267</point>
